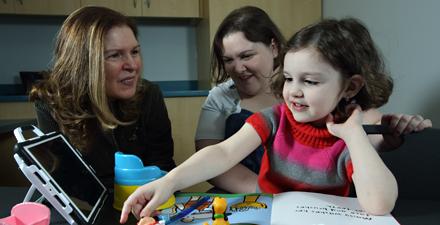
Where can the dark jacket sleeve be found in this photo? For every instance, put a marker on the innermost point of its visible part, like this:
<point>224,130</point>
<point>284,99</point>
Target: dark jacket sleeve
<point>157,128</point>
<point>46,122</point>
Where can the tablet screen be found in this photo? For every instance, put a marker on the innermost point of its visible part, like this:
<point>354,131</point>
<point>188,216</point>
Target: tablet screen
<point>70,173</point>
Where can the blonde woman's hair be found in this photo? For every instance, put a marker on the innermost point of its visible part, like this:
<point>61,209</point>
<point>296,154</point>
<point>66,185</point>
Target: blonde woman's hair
<point>75,88</point>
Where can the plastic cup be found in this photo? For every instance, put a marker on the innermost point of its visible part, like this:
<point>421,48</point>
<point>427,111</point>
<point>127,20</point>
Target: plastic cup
<point>28,213</point>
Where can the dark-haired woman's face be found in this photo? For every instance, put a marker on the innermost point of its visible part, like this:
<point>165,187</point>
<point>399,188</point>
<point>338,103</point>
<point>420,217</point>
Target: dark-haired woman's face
<point>122,62</point>
<point>250,64</point>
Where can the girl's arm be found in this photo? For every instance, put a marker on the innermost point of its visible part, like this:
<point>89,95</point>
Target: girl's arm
<point>216,159</point>
<point>376,186</point>
<point>239,179</point>
<point>203,165</point>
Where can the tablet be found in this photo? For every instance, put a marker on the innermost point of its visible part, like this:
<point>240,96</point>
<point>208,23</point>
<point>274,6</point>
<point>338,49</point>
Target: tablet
<point>58,171</point>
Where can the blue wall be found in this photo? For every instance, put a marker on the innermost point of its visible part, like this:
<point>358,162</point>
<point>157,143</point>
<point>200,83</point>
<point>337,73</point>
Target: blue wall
<point>26,44</point>
<point>408,34</point>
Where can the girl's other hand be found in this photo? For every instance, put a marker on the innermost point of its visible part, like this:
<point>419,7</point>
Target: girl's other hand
<point>343,130</point>
<point>145,200</point>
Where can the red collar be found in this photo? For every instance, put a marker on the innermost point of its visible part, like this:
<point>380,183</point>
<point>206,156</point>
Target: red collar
<point>309,135</point>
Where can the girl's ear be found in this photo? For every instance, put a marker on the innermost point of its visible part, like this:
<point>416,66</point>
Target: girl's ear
<point>274,48</point>
<point>354,85</point>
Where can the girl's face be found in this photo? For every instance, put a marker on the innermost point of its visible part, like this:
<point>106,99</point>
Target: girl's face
<point>122,63</point>
<point>313,88</point>
<point>250,64</point>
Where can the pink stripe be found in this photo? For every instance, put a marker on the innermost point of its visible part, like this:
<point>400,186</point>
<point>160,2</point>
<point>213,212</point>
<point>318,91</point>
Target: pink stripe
<point>317,159</point>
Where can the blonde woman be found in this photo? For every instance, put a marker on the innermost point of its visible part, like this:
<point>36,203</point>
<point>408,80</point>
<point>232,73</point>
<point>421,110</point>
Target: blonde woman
<point>95,95</point>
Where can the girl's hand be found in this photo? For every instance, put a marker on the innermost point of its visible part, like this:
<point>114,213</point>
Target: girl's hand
<point>343,130</point>
<point>402,124</point>
<point>146,199</point>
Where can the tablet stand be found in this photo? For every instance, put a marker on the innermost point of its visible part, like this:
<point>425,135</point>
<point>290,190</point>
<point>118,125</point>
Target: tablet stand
<point>31,193</point>
<point>18,133</point>
<point>42,184</point>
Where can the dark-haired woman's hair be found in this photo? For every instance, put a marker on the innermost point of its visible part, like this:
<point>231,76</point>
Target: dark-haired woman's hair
<point>256,26</point>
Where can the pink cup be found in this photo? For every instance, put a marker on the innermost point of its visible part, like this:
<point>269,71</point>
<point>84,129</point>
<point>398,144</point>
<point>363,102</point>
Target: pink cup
<point>28,213</point>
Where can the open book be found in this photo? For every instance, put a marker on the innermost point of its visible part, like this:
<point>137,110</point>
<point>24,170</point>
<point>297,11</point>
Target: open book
<point>289,208</point>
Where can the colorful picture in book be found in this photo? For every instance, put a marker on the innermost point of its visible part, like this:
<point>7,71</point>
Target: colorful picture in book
<point>252,209</point>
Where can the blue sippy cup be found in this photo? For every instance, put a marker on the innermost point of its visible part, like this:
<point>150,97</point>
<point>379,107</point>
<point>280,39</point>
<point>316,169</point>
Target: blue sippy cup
<point>130,173</point>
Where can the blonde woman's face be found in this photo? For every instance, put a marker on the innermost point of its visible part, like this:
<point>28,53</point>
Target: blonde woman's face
<point>122,63</point>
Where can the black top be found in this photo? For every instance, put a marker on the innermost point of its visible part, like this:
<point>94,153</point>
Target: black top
<point>149,137</point>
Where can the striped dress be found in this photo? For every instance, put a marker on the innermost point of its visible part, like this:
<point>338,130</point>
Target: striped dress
<point>299,157</point>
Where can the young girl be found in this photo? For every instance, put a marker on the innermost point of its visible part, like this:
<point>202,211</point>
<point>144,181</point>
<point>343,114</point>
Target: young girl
<point>314,141</point>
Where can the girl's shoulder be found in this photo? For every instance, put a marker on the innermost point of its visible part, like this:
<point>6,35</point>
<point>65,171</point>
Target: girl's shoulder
<point>273,111</point>
<point>270,115</point>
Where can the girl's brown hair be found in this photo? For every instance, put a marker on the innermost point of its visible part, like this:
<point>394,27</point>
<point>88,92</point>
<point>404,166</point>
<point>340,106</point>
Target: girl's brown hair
<point>348,47</point>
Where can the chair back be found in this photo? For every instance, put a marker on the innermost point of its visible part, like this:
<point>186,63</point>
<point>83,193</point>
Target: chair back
<point>416,165</point>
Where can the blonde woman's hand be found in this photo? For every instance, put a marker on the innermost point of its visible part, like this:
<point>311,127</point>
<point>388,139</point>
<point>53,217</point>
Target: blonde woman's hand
<point>145,200</point>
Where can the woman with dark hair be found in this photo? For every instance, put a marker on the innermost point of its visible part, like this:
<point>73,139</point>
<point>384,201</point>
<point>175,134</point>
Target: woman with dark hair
<point>246,53</point>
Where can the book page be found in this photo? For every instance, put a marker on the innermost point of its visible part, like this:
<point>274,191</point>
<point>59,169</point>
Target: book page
<point>243,209</point>
<point>306,208</point>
